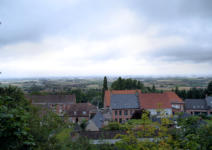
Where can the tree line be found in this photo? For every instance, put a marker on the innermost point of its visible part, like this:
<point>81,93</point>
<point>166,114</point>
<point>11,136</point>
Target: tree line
<point>194,93</point>
<point>132,84</point>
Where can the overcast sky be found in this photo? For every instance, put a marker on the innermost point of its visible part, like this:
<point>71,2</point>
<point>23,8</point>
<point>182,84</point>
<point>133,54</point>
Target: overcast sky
<point>105,37</point>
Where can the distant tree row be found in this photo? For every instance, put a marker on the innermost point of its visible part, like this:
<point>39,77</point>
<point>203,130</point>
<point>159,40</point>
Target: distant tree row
<point>194,93</point>
<point>132,84</point>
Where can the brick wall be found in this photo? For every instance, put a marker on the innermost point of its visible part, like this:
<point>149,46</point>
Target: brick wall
<point>121,115</point>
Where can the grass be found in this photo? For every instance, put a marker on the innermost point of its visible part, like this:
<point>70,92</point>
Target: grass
<point>209,121</point>
<point>64,134</point>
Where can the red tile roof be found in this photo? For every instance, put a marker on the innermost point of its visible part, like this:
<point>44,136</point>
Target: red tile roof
<point>173,97</point>
<point>147,100</point>
<point>108,94</point>
<point>158,100</point>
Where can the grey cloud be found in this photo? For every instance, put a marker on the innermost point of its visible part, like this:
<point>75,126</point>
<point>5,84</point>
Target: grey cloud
<point>192,53</point>
<point>28,20</point>
<point>173,10</point>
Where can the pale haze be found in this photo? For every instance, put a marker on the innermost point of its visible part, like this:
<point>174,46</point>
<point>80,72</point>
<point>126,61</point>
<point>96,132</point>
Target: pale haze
<point>41,38</point>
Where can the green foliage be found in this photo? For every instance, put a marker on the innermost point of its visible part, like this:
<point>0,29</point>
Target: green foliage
<point>146,128</point>
<point>153,88</point>
<point>44,125</point>
<point>193,93</point>
<point>26,127</point>
<point>89,95</point>
<point>193,134</point>
<point>112,126</point>
<point>126,84</point>
<point>105,87</point>
<point>83,124</point>
<point>130,84</point>
<point>209,88</point>
<point>14,127</point>
<point>16,94</point>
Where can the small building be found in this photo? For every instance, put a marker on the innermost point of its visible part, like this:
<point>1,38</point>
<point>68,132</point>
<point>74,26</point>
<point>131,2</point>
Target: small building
<point>80,111</point>
<point>57,103</point>
<point>122,103</point>
<point>96,123</point>
<point>199,106</point>
<point>101,119</point>
<point>209,102</point>
<point>168,102</point>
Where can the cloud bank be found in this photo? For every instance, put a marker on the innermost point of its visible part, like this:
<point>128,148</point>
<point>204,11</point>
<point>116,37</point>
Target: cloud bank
<point>81,37</point>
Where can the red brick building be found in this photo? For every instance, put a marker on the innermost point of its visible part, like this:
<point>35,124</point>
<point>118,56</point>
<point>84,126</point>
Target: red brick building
<point>80,111</point>
<point>123,103</point>
<point>57,103</point>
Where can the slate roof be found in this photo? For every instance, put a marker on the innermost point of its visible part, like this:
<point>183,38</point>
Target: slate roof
<point>209,101</point>
<point>132,99</point>
<point>51,99</point>
<point>195,104</point>
<point>98,119</point>
<point>124,101</point>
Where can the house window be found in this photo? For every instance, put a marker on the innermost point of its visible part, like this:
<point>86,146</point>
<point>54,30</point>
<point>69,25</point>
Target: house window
<point>126,112</point>
<point>175,106</point>
<point>84,112</point>
<point>194,106</point>
<point>75,113</point>
<point>116,113</point>
<point>120,120</point>
<point>120,112</point>
<point>116,120</point>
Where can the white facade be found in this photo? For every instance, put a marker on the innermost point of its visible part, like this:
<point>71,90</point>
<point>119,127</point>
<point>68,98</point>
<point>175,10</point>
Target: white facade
<point>167,112</point>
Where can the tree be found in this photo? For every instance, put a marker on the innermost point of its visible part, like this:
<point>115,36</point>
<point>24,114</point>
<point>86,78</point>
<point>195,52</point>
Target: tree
<point>147,128</point>
<point>14,117</point>
<point>105,87</point>
<point>138,114</point>
<point>127,84</point>
<point>176,90</point>
<point>209,89</point>
<point>153,88</point>
<point>44,125</point>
